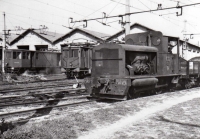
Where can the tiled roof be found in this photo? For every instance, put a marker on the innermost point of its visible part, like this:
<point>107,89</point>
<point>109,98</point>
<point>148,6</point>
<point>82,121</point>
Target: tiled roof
<point>98,35</point>
<point>49,36</point>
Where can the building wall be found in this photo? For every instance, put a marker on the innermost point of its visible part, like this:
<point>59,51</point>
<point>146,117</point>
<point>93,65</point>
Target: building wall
<point>31,40</point>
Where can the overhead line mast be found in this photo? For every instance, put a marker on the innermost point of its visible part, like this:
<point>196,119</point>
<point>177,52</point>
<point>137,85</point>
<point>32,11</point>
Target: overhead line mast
<point>127,17</point>
<point>4,44</point>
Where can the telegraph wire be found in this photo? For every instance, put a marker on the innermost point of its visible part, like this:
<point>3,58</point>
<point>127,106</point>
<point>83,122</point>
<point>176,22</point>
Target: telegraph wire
<point>32,9</point>
<point>33,19</point>
<point>58,7</point>
<point>81,5</point>
<point>144,5</point>
<point>97,10</point>
<point>114,7</point>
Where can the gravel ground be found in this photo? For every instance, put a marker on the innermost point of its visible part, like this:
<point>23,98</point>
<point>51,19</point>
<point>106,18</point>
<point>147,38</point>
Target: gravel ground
<point>169,115</point>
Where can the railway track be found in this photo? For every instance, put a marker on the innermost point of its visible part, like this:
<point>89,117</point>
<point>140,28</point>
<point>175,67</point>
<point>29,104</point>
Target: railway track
<point>38,81</point>
<point>51,101</point>
<point>58,91</point>
<point>35,88</point>
<point>46,107</point>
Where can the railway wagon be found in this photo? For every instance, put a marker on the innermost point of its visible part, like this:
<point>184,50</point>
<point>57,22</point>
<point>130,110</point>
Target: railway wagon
<point>190,72</point>
<point>76,60</point>
<point>144,64</point>
<point>18,61</point>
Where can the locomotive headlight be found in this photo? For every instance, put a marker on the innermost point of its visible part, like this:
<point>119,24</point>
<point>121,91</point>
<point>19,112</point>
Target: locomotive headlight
<point>156,41</point>
<point>121,81</point>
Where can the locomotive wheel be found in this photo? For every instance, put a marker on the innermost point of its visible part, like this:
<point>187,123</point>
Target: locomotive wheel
<point>158,91</point>
<point>132,94</point>
<point>68,75</point>
<point>188,85</point>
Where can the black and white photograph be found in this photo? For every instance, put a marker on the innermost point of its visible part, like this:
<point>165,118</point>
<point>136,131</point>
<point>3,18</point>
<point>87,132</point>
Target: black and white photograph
<point>99,69</point>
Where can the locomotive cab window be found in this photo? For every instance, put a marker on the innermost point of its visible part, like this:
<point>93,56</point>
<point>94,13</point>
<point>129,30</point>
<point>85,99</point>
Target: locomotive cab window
<point>106,61</point>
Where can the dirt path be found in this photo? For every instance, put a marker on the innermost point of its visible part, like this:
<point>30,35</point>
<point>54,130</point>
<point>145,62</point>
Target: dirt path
<point>107,132</point>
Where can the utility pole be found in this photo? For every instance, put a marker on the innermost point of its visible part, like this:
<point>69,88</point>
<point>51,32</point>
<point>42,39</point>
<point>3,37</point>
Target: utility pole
<point>4,43</point>
<point>184,38</point>
<point>127,27</point>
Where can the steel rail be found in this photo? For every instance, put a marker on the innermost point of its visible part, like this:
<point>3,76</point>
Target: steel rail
<point>11,97</point>
<point>25,82</point>
<point>34,88</point>
<point>47,101</point>
<point>55,106</point>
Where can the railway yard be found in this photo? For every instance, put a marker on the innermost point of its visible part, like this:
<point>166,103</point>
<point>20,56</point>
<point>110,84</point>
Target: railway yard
<point>99,69</point>
<point>54,109</point>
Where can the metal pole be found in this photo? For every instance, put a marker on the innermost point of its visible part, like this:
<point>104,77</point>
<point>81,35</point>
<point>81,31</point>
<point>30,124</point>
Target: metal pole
<point>4,44</point>
<point>127,17</point>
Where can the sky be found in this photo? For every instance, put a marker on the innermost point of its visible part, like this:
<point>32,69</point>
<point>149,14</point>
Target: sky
<point>55,14</point>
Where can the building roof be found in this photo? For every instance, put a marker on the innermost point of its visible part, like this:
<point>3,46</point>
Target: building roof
<point>51,36</point>
<point>48,36</point>
<point>139,25</point>
<point>99,36</point>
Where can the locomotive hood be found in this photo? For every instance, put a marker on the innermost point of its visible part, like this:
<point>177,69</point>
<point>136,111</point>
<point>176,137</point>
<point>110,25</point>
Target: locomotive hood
<point>138,48</point>
<point>127,47</point>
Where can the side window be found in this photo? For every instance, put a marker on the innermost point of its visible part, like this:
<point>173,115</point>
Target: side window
<point>28,55</point>
<point>70,53</point>
<point>75,53</point>
<point>23,55</point>
<point>14,55</point>
<point>36,56</point>
<point>66,53</point>
<point>19,55</point>
<point>8,55</point>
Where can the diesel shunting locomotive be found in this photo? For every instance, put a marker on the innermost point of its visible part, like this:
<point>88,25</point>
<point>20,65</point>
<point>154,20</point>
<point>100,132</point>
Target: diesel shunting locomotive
<point>145,63</point>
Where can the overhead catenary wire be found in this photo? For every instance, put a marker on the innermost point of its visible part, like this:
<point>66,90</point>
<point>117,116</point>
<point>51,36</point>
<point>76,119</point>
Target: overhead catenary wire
<point>121,15</point>
<point>150,12</point>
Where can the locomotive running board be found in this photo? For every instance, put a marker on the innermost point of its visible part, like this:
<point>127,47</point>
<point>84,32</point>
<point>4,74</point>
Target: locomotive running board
<point>111,97</point>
